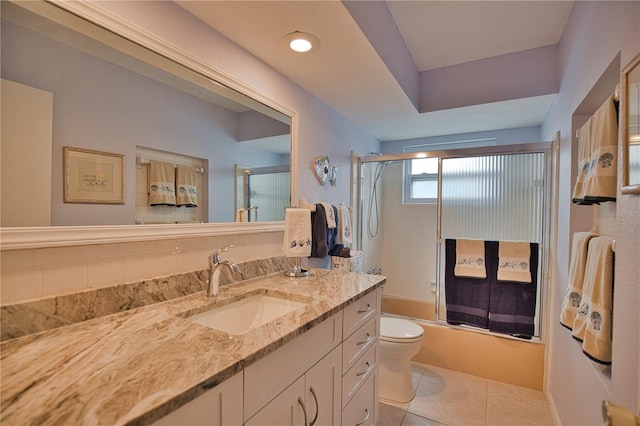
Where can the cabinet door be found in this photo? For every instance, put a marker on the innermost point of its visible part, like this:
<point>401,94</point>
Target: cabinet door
<point>323,387</point>
<point>287,409</point>
<point>220,406</point>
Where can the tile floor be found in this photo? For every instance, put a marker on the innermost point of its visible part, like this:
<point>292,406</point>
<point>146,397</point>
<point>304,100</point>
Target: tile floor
<point>446,397</point>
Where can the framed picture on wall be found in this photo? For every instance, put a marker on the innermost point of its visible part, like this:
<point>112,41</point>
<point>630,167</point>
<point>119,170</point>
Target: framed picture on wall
<point>93,177</point>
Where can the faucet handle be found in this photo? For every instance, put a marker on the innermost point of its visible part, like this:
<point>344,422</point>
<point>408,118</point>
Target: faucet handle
<point>215,256</point>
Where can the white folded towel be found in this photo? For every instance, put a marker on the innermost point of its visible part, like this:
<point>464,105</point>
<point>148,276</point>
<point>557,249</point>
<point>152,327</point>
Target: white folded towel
<point>575,283</point>
<point>186,186</point>
<point>593,323</point>
<point>470,259</point>
<point>513,261</point>
<point>597,157</point>
<point>297,233</point>
<point>331,218</point>
<point>344,226</point>
<point>162,181</point>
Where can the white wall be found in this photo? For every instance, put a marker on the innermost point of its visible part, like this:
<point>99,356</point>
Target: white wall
<point>595,34</point>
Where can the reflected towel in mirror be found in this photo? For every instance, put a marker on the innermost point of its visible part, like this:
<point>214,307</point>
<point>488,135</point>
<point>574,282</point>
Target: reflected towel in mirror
<point>186,187</point>
<point>161,184</point>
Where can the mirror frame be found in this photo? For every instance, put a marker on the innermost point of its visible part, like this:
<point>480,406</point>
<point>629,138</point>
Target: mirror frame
<point>59,236</point>
<point>627,186</point>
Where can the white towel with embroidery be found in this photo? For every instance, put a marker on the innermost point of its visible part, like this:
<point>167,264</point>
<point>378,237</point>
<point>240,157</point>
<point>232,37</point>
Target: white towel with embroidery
<point>601,182</point>
<point>597,157</point>
<point>344,226</point>
<point>577,266</point>
<point>331,218</point>
<point>593,322</point>
<point>297,233</point>
<point>584,162</point>
<point>513,261</point>
<point>470,259</point>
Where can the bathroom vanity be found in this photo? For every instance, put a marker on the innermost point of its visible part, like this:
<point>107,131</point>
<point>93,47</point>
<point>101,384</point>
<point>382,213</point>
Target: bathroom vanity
<point>314,364</point>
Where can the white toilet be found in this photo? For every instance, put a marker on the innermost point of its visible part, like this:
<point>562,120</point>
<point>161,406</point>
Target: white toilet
<point>400,340</point>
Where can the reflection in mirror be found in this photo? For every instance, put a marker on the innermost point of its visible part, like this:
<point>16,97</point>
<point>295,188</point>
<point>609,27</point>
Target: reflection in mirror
<point>631,132</point>
<point>70,83</point>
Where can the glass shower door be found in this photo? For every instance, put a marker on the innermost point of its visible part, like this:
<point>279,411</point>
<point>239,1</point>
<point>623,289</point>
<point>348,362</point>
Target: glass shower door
<point>497,197</point>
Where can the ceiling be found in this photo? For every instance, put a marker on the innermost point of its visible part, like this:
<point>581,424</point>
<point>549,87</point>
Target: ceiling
<point>349,74</point>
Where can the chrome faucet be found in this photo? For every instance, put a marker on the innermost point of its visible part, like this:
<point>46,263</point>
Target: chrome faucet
<point>213,285</point>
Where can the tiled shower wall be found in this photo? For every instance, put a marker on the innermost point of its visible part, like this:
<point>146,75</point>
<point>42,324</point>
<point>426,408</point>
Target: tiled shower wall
<point>409,249</point>
<point>44,272</point>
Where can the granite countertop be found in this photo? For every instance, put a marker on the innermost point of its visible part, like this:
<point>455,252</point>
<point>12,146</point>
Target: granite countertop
<point>136,366</point>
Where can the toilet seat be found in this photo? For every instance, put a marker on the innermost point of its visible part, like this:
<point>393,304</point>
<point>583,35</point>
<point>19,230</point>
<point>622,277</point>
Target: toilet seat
<point>397,330</point>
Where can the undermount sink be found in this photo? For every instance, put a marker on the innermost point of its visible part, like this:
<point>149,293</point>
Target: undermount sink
<point>247,313</point>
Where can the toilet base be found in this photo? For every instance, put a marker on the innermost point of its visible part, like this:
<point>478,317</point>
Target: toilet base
<point>396,383</point>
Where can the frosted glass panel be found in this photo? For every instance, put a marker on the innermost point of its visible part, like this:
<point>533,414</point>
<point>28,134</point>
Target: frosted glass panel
<point>496,197</point>
<point>270,192</point>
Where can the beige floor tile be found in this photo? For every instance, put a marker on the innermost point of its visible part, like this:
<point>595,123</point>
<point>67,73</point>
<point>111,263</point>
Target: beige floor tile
<point>414,420</point>
<point>510,405</point>
<point>446,397</point>
<point>450,397</point>
<point>389,415</point>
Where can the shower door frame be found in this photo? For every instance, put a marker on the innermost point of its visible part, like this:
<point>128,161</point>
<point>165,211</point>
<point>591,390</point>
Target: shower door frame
<point>546,148</point>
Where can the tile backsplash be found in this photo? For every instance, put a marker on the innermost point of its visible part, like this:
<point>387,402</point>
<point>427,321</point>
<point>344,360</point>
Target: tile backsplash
<point>45,272</point>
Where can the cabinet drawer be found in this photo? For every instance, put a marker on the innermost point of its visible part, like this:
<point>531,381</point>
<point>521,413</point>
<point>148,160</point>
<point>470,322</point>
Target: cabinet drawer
<point>359,342</point>
<point>266,378</point>
<point>359,312</point>
<point>363,409</point>
<point>366,366</point>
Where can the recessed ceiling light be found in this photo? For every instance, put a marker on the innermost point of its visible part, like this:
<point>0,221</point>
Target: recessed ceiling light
<point>302,42</point>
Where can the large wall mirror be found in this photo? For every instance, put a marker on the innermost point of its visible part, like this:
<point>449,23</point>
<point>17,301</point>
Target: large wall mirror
<point>630,127</point>
<point>69,83</point>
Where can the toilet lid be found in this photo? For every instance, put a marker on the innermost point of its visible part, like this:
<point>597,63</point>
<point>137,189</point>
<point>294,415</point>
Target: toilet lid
<point>394,329</point>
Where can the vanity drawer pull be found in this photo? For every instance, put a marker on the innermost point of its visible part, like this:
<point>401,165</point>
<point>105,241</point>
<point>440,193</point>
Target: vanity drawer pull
<point>315,398</point>
<point>304,410</point>
<point>362,311</point>
<point>366,417</point>
<point>367,340</point>
<point>365,371</point>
